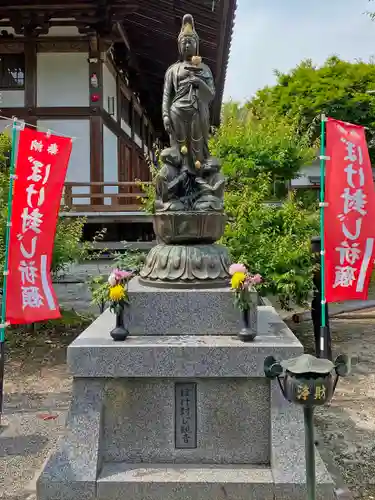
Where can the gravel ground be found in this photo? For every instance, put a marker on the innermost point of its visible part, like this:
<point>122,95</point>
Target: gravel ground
<point>347,426</point>
<point>38,386</point>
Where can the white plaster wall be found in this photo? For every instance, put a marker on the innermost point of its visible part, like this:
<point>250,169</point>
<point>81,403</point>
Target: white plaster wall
<point>62,31</point>
<point>12,98</point>
<point>6,125</point>
<point>109,89</point>
<point>79,164</point>
<point>305,173</point>
<point>110,162</point>
<point>138,140</point>
<point>126,127</point>
<point>63,79</point>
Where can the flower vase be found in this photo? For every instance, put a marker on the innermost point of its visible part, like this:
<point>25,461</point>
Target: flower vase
<point>119,333</point>
<point>249,321</point>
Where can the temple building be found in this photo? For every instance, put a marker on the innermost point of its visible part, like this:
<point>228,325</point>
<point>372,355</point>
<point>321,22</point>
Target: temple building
<point>93,70</point>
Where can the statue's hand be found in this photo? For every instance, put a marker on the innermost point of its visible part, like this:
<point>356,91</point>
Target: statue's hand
<point>195,81</point>
<point>167,124</point>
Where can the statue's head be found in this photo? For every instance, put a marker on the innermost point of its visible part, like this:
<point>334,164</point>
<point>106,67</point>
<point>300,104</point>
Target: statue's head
<point>188,40</point>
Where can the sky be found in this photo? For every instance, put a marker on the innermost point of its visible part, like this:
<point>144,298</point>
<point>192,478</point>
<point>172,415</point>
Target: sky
<point>278,34</point>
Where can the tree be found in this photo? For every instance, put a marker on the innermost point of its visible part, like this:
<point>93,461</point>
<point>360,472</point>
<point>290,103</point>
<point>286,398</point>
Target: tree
<point>250,147</point>
<point>338,89</point>
<point>273,241</point>
<point>371,14</point>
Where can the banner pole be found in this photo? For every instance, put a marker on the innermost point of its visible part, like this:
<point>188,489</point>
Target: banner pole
<point>323,326</point>
<point>6,263</point>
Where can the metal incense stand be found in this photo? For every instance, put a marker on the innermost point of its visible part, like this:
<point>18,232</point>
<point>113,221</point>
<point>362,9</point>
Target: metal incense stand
<point>309,382</point>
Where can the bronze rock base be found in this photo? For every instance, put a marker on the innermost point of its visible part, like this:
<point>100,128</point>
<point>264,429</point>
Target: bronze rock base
<point>186,266</point>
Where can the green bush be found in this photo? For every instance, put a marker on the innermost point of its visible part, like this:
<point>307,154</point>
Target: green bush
<point>69,247</point>
<point>273,241</point>
<point>149,190</point>
<point>249,147</point>
<point>129,260</point>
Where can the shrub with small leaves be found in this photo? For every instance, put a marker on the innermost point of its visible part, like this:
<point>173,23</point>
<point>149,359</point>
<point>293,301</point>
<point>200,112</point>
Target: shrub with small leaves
<point>148,188</point>
<point>130,259</point>
<point>249,147</point>
<point>273,241</point>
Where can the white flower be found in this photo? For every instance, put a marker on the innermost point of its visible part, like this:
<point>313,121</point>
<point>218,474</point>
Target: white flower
<point>112,280</point>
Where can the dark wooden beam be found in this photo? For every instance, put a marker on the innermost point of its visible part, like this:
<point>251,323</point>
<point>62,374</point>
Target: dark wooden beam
<point>203,15</point>
<point>50,6</point>
<point>51,112</point>
<point>144,29</point>
<point>227,14</point>
<point>31,74</point>
<point>96,152</point>
<point>118,98</point>
<point>148,56</point>
<point>220,58</point>
<point>96,122</point>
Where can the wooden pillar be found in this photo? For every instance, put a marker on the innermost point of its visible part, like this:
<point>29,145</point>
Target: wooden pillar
<point>120,158</point>
<point>30,51</point>
<point>96,124</point>
<point>132,118</point>
<point>133,159</point>
<point>118,99</point>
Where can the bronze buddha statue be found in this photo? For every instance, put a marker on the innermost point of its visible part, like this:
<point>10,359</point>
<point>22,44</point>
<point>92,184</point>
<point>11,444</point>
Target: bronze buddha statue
<point>189,206</point>
<point>189,178</point>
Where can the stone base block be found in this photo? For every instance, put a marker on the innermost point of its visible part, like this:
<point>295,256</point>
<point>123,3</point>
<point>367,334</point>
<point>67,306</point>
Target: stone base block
<point>199,407</point>
<point>196,482</point>
<point>163,311</point>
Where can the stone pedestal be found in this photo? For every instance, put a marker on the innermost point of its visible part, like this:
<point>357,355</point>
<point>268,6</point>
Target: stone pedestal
<point>165,311</point>
<point>188,417</point>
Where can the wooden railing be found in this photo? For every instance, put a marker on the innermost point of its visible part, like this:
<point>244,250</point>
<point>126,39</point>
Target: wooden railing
<point>92,196</point>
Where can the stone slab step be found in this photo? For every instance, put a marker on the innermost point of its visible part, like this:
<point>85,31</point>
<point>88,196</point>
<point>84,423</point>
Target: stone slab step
<point>193,482</point>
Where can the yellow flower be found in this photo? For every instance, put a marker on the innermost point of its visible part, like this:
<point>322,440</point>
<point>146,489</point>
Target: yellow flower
<point>237,280</point>
<point>117,293</point>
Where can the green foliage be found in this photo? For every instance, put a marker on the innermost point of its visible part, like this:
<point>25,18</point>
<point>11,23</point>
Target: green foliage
<point>148,189</point>
<point>272,241</point>
<point>308,197</point>
<point>128,260</point>
<point>4,188</point>
<point>98,287</point>
<point>371,14</point>
<point>250,147</point>
<point>5,144</point>
<point>69,247</point>
<point>337,89</point>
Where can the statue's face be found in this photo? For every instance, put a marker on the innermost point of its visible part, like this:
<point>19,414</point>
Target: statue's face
<point>188,47</point>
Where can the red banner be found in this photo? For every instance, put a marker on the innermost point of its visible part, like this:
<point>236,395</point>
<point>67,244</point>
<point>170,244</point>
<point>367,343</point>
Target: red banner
<point>349,216</point>
<point>41,166</point>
